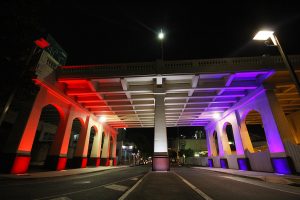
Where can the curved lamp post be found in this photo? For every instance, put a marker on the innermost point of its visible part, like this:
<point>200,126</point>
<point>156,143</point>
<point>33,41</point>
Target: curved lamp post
<point>265,35</point>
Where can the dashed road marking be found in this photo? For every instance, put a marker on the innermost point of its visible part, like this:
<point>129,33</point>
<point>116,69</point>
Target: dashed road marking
<point>134,179</point>
<point>121,188</point>
<point>61,198</point>
<point>197,190</point>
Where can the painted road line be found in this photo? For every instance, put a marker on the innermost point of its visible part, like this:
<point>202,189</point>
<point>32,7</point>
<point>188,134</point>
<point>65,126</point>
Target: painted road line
<point>280,188</point>
<point>121,188</point>
<point>61,198</point>
<point>84,190</point>
<point>124,196</point>
<point>197,190</point>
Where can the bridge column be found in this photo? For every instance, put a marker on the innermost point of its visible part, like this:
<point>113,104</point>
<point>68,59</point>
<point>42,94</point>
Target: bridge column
<point>114,151</point>
<point>80,158</point>
<point>160,161</point>
<point>105,150</point>
<point>15,157</point>
<point>57,157</point>
<point>96,148</point>
<point>211,146</point>
<point>277,131</point>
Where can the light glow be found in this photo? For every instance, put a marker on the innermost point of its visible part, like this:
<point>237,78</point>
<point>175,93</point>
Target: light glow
<point>217,116</point>
<point>263,35</point>
<point>102,119</point>
<point>161,35</point>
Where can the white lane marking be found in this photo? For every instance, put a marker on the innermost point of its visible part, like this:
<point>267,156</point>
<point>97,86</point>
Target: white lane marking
<point>121,188</point>
<point>61,198</point>
<point>124,196</point>
<point>82,182</point>
<point>197,190</point>
<point>134,179</point>
<point>84,190</point>
<point>265,185</point>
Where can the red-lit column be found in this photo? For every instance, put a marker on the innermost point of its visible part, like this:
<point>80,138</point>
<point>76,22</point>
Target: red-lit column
<point>15,157</point>
<point>80,158</point>
<point>96,148</point>
<point>105,150</point>
<point>57,157</point>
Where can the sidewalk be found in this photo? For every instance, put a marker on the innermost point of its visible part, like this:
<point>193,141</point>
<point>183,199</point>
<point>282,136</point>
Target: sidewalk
<point>67,172</point>
<point>263,176</point>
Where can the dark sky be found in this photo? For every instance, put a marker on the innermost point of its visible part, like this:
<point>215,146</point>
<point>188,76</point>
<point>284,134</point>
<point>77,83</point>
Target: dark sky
<point>93,33</point>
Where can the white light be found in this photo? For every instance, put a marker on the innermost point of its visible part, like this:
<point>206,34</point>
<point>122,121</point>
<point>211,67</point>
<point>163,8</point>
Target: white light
<point>124,129</point>
<point>130,147</point>
<point>123,147</point>
<point>217,116</point>
<point>161,35</point>
<point>102,119</point>
<point>230,142</point>
<point>263,35</point>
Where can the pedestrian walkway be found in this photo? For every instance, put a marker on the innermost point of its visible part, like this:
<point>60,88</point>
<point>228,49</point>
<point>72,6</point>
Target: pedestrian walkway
<point>161,185</point>
<point>67,172</point>
<point>264,176</point>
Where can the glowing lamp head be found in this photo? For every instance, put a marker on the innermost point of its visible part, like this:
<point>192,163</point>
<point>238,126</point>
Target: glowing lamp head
<point>217,116</point>
<point>263,35</point>
<point>161,35</point>
<point>102,119</point>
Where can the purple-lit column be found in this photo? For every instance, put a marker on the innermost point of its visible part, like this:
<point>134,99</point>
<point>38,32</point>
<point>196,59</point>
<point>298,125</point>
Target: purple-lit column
<point>160,154</point>
<point>277,130</point>
<point>211,147</point>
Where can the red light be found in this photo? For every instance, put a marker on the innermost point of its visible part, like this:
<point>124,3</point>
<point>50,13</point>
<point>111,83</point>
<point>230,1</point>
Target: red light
<point>42,43</point>
<point>84,163</point>
<point>61,164</point>
<point>21,164</point>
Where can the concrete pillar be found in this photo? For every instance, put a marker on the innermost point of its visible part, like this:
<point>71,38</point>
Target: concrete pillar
<point>277,130</point>
<point>224,148</point>
<point>160,160</point>
<point>57,157</point>
<point>80,158</point>
<point>211,144</point>
<point>96,148</point>
<point>114,151</point>
<point>105,150</point>
<point>15,157</point>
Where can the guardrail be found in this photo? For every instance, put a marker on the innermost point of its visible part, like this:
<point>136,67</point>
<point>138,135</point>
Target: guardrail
<point>176,67</point>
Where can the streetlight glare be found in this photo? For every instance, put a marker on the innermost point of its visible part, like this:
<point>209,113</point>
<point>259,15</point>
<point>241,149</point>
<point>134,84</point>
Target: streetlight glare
<point>161,35</point>
<point>217,116</point>
<point>102,119</point>
<point>263,35</point>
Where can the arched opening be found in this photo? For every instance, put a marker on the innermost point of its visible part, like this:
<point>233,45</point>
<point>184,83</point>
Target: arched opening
<point>74,137</point>
<point>44,137</point>
<point>256,131</point>
<point>215,136</point>
<point>229,133</point>
<point>91,140</point>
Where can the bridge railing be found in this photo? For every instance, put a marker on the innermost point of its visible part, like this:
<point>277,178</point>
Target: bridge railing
<point>176,67</point>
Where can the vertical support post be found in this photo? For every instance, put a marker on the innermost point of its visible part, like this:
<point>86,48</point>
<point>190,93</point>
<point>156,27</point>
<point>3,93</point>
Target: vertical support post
<point>96,148</point>
<point>160,155</point>
<point>105,150</point>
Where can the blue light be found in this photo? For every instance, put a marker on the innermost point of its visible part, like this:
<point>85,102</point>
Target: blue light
<point>243,164</point>
<point>223,162</point>
<point>210,163</point>
<point>281,165</point>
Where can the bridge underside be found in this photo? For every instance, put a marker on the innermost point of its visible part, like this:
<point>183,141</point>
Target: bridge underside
<point>190,100</point>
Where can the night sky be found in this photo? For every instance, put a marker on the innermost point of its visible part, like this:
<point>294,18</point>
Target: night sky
<point>93,33</point>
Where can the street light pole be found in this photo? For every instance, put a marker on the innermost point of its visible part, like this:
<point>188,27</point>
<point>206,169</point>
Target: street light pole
<point>287,62</point>
<point>265,35</point>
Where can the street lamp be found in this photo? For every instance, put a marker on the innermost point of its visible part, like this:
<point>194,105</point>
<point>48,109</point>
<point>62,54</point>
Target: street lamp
<point>161,36</point>
<point>265,35</point>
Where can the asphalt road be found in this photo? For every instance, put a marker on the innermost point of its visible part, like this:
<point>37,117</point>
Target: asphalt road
<point>220,186</point>
<point>176,184</point>
<point>110,184</point>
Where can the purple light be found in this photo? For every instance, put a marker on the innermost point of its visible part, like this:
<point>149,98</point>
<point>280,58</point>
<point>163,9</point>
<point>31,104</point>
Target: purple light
<point>224,164</point>
<point>210,162</point>
<point>281,165</point>
<point>243,164</point>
